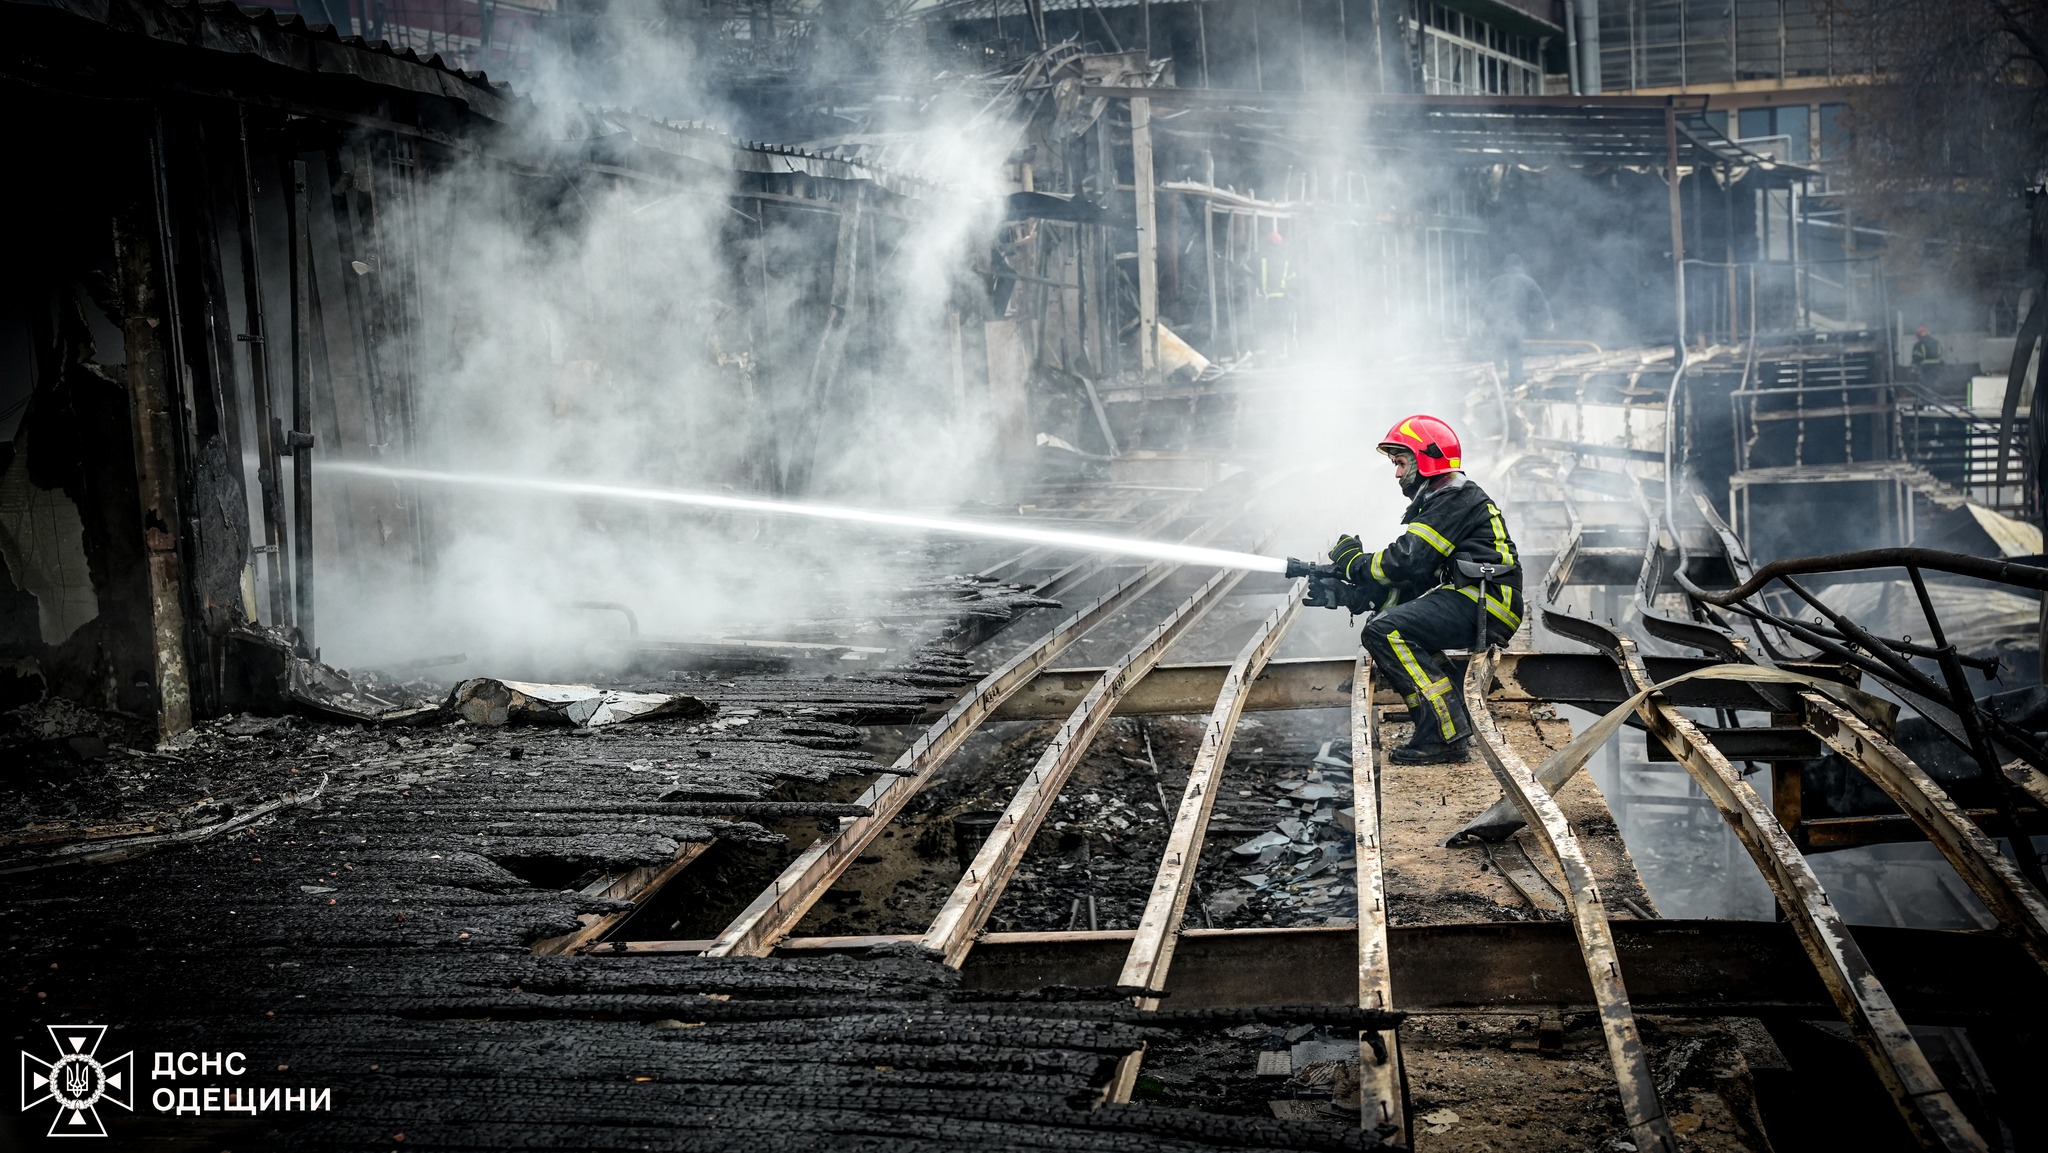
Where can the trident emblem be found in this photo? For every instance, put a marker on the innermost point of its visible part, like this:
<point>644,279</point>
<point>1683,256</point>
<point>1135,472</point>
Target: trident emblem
<point>78,1082</point>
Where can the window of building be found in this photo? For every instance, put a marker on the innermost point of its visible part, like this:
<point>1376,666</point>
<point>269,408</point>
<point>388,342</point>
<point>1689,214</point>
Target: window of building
<point>1791,121</point>
<point>1461,55</point>
<point>1834,138</point>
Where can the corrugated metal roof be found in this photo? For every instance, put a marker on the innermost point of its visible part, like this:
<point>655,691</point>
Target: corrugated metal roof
<point>708,144</point>
<point>287,40</point>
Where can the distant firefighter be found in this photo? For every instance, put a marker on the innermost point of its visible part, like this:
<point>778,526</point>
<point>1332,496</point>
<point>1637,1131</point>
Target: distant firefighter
<point>1926,355</point>
<point>1512,309</point>
<point>1452,579</point>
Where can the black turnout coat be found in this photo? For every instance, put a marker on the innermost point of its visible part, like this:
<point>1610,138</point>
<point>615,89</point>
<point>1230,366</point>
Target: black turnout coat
<point>1451,519</point>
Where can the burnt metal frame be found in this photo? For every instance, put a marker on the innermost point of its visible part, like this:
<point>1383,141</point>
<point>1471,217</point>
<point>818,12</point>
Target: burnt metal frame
<point>777,910</point>
<point>1975,857</point>
<point>1880,1030</point>
<point>1382,1075</point>
<point>1982,729</point>
<point>966,909</point>
<point>1151,955</point>
<point>1921,1099</point>
<point>1648,1123</point>
<point>2004,889</point>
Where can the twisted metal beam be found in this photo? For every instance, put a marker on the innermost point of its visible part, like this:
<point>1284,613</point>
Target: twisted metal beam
<point>1918,1094</point>
<point>2010,572</point>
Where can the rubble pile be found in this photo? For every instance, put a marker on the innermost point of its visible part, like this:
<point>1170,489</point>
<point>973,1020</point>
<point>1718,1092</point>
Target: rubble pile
<point>1094,859</point>
<point>63,762</point>
<point>1300,870</point>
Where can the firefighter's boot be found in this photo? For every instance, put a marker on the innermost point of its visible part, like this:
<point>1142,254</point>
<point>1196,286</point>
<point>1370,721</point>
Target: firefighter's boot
<point>1428,745</point>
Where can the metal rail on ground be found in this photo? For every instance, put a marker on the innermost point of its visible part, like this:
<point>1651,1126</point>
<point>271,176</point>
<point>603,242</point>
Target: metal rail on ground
<point>1151,953</point>
<point>1648,1124</point>
<point>1921,1099</point>
<point>1382,1105</point>
<point>966,909</point>
<point>2018,906</point>
<point>778,909</point>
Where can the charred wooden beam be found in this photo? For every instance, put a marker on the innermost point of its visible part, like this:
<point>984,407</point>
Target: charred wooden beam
<point>1826,834</point>
<point>1708,968</point>
<point>1581,679</point>
<point>635,885</point>
<point>153,413</point>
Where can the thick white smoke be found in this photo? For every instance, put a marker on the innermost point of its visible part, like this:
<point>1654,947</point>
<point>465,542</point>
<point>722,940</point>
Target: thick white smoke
<point>663,333</point>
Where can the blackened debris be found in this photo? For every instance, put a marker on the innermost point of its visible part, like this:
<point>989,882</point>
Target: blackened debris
<point>379,948</point>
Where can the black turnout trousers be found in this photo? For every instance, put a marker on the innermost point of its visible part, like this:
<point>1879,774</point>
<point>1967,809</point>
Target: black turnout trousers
<point>1407,644</point>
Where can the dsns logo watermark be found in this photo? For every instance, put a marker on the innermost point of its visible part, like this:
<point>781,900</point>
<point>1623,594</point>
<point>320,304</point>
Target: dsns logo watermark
<point>78,1082</point>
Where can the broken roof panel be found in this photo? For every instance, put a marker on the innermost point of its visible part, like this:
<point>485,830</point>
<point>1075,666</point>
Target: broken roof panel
<point>702,143</point>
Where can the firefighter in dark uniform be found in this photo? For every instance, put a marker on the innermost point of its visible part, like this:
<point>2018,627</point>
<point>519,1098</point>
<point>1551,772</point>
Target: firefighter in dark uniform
<point>1427,600</point>
<point>1926,356</point>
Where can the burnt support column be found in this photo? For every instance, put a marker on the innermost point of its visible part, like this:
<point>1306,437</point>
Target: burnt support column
<point>300,437</point>
<point>154,422</point>
<point>1148,234</point>
<point>278,576</point>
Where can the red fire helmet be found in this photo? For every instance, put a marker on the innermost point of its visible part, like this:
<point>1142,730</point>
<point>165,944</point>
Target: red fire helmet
<point>1431,440</point>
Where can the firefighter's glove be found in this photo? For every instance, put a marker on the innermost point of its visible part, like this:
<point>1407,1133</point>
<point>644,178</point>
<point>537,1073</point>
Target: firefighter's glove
<point>1324,591</point>
<point>1358,598</point>
<point>1347,549</point>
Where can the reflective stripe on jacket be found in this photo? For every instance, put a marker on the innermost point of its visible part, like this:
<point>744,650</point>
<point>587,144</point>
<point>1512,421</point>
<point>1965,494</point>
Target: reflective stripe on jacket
<point>1451,519</point>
